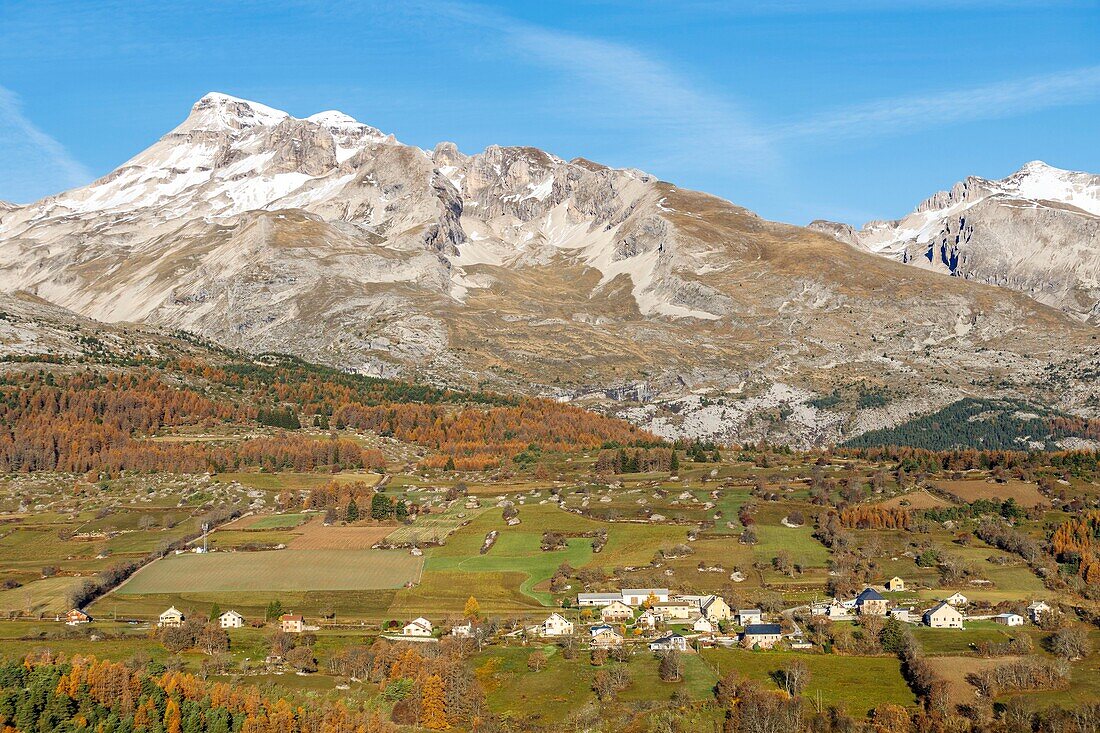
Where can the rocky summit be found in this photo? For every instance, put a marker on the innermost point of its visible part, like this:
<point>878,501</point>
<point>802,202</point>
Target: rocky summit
<point>513,269</point>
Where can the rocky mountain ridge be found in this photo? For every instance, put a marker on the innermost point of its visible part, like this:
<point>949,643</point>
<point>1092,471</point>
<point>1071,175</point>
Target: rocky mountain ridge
<point>519,271</point>
<point>1036,231</point>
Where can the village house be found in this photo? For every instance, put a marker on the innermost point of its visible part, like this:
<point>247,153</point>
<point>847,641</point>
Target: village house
<point>1009,619</point>
<point>943,616</point>
<point>648,620</point>
<point>231,620</point>
<point>292,623</point>
<point>669,643</point>
<point>172,618</point>
<point>702,625</point>
<point>901,614</point>
<point>463,630</point>
<point>598,599</point>
<point>747,616</point>
<point>76,616</point>
<point>638,596</point>
<point>419,627</point>
<point>895,584</point>
<point>676,610</point>
<point>715,608</point>
<point>956,599</point>
<point>762,636</point>
<point>1036,610</point>
<point>556,625</point>
<point>617,612</point>
<point>604,637</point>
<point>871,603</point>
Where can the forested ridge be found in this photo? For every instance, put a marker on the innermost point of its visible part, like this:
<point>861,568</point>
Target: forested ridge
<point>86,416</point>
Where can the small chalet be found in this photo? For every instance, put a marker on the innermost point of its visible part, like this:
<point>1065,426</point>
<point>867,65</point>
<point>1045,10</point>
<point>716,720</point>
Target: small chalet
<point>943,616</point>
<point>172,618</point>
<point>648,620</point>
<point>463,630</point>
<point>1037,609</point>
<point>420,627</point>
<point>669,643</point>
<point>231,620</point>
<point>895,584</point>
<point>76,616</point>
<point>617,612</point>
<point>761,636</point>
<point>556,625</point>
<point>604,637</point>
<point>703,625</point>
<point>747,616</point>
<point>1009,619</point>
<point>957,599</point>
<point>292,623</point>
<point>871,603</point>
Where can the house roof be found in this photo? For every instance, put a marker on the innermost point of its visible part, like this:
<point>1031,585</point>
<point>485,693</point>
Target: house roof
<point>667,639</point>
<point>749,612</point>
<point>672,604</point>
<point>939,607</point>
<point>645,591</point>
<point>1008,615</point>
<point>558,616</point>
<point>292,617</point>
<point>231,613</point>
<point>600,596</point>
<point>602,628</point>
<point>869,594</point>
<point>1037,604</point>
<point>172,611</point>
<point>763,629</point>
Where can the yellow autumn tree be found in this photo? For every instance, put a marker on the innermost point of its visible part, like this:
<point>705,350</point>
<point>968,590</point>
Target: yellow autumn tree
<point>172,716</point>
<point>433,710</point>
<point>472,609</point>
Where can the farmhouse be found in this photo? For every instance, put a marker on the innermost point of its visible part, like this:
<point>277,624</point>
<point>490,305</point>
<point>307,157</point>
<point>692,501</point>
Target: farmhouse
<point>901,614</point>
<point>871,603</point>
<point>943,616</point>
<point>638,596</point>
<point>420,627</point>
<point>556,625</point>
<point>895,584</point>
<point>231,620</point>
<point>172,618</point>
<point>762,636</point>
<point>676,610</point>
<point>746,616</point>
<point>956,599</point>
<point>603,637</point>
<point>598,599</point>
<point>669,643</point>
<point>1010,619</point>
<point>292,623</point>
<point>76,616</point>
<point>463,630</point>
<point>1036,609</point>
<point>617,611</point>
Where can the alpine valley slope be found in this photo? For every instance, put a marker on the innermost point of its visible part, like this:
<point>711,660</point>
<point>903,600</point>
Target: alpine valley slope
<point>516,270</point>
<point>1036,231</point>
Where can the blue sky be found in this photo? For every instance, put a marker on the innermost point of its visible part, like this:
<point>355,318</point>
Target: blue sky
<point>796,109</point>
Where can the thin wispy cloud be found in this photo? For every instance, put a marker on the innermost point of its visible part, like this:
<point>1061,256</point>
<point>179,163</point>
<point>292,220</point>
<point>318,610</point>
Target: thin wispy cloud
<point>898,115</point>
<point>628,88</point>
<point>34,164</point>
